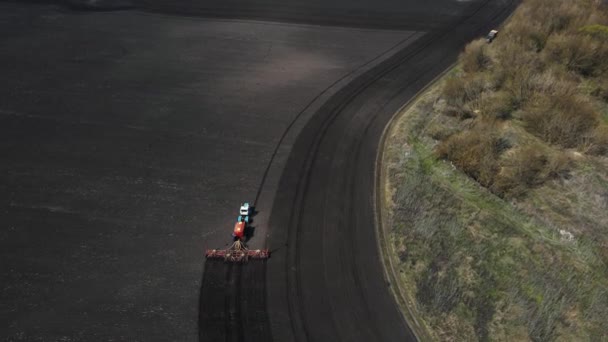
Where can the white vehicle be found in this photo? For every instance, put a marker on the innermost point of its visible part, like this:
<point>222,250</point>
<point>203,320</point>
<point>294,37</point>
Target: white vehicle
<point>490,37</point>
<point>244,213</point>
<point>245,209</point>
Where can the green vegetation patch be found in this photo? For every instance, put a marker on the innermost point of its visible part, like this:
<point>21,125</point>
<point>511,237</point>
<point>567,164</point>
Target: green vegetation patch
<point>478,266</point>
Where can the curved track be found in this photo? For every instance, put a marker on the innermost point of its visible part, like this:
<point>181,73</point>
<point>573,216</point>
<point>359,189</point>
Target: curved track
<point>328,283</point>
<point>325,281</point>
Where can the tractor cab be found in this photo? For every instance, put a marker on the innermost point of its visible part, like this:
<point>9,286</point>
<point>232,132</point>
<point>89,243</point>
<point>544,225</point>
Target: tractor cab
<point>245,208</point>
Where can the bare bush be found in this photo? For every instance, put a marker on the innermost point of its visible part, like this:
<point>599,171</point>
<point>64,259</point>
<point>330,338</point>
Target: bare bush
<point>559,166</point>
<point>580,53</point>
<point>453,91</point>
<point>530,35</point>
<point>521,86</point>
<point>517,69</point>
<point>521,171</point>
<point>602,89</point>
<point>475,57</point>
<point>442,128</point>
<point>475,151</point>
<point>561,120</point>
<point>512,55</point>
<point>560,15</point>
<point>496,78</point>
<point>564,14</point>
<point>599,15</point>
<point>554,82</point>
<point>599,141</point>
<point>497,105</point>
<point>458,91</point>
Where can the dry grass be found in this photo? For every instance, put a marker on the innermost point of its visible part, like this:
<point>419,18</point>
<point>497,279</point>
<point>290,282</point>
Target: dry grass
<point>500,184</point>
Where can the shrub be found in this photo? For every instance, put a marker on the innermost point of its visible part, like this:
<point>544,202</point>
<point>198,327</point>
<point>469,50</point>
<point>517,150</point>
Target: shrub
<point>559,166</point>
<point>521,85</point>
<point>475,57</point>
<point>453,91</point>
<point>440,129</point>
<point>459,90</point>
<point>530,35</point>
<point>599,141</point>
<point>599,15</point>
<point>497,105</point>
<point>475,151</point>
<point>555,83</point>
<point>512,55</point>
<point>602,89</point>
<point>560,120</point>
<point>563,14</point>
<point>496,78</point>
<point>579,53</point>
<point>521,171</point>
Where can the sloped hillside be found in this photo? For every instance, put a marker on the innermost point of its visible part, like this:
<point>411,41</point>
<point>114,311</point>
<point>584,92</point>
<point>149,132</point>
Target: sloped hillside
<point>497,184</point>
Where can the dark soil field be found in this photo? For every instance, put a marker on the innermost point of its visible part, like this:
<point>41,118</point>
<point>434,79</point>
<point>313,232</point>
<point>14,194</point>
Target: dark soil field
<point>127,141</point>
<point>130,133</point>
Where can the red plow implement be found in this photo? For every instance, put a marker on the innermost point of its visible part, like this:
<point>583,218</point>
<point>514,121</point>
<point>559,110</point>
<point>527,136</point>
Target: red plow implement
<point>238,252</point>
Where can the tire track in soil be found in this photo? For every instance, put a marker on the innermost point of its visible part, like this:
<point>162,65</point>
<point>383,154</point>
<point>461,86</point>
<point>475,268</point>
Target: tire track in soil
<point>212,314</point>
<point>253,309</point>
<point>314,157</point>
<point>244,316</point>
<point>232,304</point>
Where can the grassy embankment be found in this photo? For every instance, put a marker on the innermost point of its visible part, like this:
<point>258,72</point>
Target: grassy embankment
<point>497,184</point>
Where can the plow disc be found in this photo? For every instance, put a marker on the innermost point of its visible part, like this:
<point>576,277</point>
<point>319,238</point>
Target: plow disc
<point>238,252</point>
